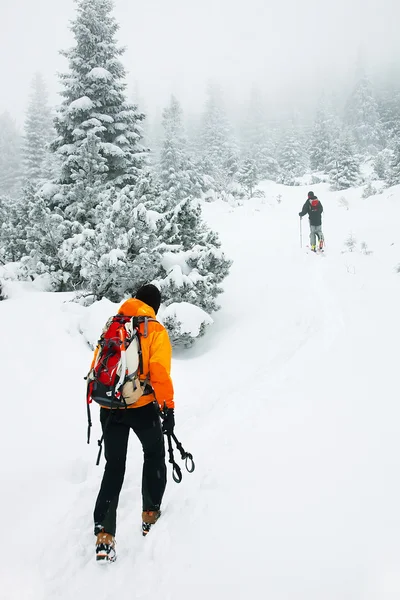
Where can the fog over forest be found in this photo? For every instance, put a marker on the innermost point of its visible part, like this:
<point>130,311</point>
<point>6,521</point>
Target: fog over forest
<point>291,51</point>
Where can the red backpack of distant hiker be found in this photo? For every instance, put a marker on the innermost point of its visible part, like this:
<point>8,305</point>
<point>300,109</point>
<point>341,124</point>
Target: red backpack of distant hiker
<point>314,204</point>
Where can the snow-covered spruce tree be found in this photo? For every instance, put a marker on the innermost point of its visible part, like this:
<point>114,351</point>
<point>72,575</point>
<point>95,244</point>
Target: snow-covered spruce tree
<point>218,148</point>
<point>39,132</point>
<point>248,175</point>
<point>258,142</point>
<point>89,179</point>
<point>382,163</point>
<point>292,156</point>
<point>98,135</point>
<point>120,253</point>
<point>177,173</point>
<point>345,166</point>
<point>147,191</point>
<point>389,113</point>
<point>45,233</point>
<point>10,157</point>
<point>322,138</point>
<point>362,117</point>
<point>94,101</point>
<point>14,219</point>
<point>392,173</point>
<point>194,266</point>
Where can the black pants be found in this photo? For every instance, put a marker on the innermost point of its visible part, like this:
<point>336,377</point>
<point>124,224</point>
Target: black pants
<point>145,422</point>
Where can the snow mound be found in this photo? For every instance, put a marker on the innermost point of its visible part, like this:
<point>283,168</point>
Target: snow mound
<point>190,317</point>
<point>89,321</point>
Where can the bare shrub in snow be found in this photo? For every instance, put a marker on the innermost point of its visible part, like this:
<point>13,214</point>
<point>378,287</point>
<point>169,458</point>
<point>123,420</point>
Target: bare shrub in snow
<point>343,203</point>
<point>365,250</point>
<point>350,243</point>
<point>369,190</point>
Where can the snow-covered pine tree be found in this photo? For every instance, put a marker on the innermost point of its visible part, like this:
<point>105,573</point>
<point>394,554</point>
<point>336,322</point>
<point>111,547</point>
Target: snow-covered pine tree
<point>258,142</point>
<point>248,175</point>
<point>345,166</point>
<point>392,172</point>
<point>10,157</point>
<point>120,253</point>
<point>14,219</point>
<point>292,156</point>
<point>389,112</point>
<point>362,117</point>
<point>218,148</point>
<point>383,161</point>
<point>98,138</point>
<point>45,233</point>
<point>195,266</point>
<point>322,138</point>
<point>89,179</point>
<point>39,132</point>
<point>94,100</point>
<point>177,173</point>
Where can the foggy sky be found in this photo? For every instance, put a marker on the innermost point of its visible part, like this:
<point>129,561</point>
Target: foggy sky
<point>289,48</point>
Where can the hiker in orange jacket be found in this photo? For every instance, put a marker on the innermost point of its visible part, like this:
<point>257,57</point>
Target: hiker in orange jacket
<point>144,418</point>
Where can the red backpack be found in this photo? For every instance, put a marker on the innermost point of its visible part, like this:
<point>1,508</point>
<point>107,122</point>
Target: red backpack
<point>113,379</point>
<point>314,204</point>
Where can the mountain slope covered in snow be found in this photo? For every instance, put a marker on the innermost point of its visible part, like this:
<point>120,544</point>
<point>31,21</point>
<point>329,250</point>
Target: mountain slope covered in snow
<point>288,404</point>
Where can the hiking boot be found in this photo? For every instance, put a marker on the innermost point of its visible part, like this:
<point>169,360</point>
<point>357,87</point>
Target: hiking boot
<point>105,547</point>
<point>321,244</point>
<point>313,248</point>
<point>149,517</point>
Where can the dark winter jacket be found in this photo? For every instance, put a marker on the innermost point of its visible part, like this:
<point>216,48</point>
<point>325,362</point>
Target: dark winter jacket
<point>314,213</point>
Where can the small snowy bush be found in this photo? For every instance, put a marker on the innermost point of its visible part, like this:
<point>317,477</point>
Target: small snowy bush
<point>369,190</point>
<point>3,295</point>
<point>185,323</point>
<point>365,250</point>
<point>315,180</point>
<point>343,203</point>
<point>350,243</point>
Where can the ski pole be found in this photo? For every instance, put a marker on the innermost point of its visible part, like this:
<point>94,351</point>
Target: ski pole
<point>301,235</point>
<point>176,470</point>
<point>186,456</point>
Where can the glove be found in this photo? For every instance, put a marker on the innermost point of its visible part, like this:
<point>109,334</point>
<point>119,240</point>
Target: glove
<point>300,215</point>
<point>168,421</point>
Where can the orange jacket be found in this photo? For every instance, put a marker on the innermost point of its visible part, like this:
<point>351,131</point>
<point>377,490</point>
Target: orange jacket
<point>156,355</point>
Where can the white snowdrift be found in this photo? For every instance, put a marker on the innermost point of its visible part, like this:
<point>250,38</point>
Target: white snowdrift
<point>289,406</point>
<point>191,317</point>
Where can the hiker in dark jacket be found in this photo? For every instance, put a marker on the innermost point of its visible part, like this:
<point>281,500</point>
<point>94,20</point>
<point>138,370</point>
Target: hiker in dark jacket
<point>313,208</point>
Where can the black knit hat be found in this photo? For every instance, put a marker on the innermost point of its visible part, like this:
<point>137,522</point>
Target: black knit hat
<point>311,196</point>
<point>150,295</point>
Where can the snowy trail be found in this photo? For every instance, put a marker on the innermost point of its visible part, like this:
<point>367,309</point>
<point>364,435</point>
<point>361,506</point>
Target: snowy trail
<point>296,443</point>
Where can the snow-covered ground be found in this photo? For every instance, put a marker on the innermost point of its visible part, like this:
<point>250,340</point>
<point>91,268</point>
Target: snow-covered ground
<point>289,405</point>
